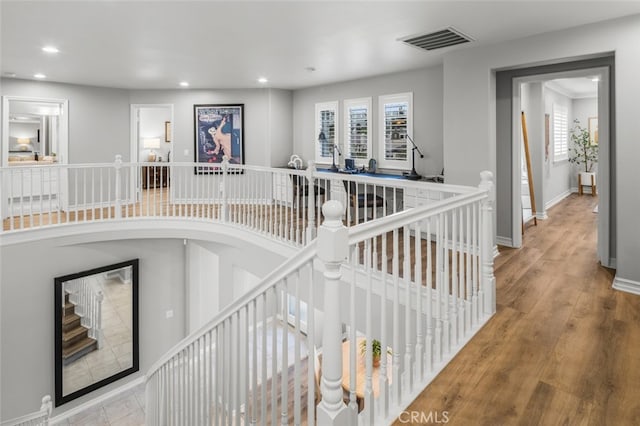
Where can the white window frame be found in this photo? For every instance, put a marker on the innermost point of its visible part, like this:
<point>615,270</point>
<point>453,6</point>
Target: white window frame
<point>560,133</point>
<point>321,108</point>
<point>350,138</point>
<point>383,101</point>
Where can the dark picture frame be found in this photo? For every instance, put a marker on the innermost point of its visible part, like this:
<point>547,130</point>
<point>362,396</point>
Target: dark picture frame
<point>218,128</point>
<point>128,272</point>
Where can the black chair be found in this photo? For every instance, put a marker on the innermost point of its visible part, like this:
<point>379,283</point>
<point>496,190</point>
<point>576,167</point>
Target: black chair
<point>301,190</point>
<point>361,200</point>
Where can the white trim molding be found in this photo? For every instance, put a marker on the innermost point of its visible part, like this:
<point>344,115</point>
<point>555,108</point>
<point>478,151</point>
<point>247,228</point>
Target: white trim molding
<point>555,200</point>
<point>542,215</point>
<point>628,286</point>
<point>504,241</point>
<point>60,418</point>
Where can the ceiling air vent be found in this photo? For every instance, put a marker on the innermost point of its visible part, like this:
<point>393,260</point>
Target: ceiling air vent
<point>437,40</point>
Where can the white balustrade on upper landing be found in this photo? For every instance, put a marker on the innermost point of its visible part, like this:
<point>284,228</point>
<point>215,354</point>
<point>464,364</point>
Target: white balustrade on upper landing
<point>282,204</point>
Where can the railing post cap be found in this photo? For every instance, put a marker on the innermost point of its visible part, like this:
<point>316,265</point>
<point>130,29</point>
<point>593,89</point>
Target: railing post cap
<point>332,211</point>
<point>486,176</point>
<point>333,237</point>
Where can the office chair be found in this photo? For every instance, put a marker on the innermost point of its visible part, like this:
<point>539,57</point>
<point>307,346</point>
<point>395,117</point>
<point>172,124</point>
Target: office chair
<point>361,200</point>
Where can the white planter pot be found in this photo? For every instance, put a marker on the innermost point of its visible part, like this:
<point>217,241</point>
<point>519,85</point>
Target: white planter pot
<point>587,179</point>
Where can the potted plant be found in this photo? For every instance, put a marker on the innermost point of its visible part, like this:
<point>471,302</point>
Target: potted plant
<point>584,154</point>
<point>376,350</point>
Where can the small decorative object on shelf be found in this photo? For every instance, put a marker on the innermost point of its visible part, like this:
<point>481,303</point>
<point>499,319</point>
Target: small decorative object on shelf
<point>584,154</point>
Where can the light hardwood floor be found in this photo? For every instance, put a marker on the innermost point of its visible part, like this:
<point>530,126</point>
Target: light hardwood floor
<point>563,347</point>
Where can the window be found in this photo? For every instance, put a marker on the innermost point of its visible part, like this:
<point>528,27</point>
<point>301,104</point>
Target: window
<point>357,130</point>
<point>560,133</point>
<point>326,136</point>
<point>396,122</point>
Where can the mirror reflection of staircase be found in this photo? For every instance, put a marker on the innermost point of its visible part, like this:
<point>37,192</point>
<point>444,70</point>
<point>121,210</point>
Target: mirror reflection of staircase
<point>76,342</point>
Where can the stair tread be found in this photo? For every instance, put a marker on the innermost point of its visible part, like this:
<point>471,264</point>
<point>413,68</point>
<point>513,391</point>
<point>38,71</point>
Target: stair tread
<point>82,344</point>
<point>70,318</point>
<point>73,333</point>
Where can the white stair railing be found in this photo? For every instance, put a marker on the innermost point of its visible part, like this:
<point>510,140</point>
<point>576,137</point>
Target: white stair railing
<point>420,285</point>
<point>420,282</point>
<point>88,305</point>
<point>38,418</point>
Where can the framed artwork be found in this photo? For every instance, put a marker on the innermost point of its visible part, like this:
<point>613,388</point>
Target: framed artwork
<point>593,130</point>
<point>167,131</point>
<point>219,131</point>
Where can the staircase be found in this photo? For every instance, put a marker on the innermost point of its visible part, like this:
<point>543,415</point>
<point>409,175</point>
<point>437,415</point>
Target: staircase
<point>76,342</point>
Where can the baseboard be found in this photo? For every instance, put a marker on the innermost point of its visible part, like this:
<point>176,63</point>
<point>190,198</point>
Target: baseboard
<point>542,216</point>
<point>555,200</point>
<point>628,286</point>
<point>496,252</point>
<point>97,400</point>
<point>504,241</point>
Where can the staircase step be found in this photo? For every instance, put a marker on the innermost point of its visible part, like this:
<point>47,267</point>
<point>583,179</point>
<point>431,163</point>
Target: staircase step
<point>78,350</point>
<point>69,308</point>
<point>72,336</point>
<point>70,322</point>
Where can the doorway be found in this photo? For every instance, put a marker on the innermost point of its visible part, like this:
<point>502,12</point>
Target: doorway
<point>509,148</point>
<point>151,143</point>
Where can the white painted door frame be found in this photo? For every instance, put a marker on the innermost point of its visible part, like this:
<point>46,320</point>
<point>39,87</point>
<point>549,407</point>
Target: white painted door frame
<point>63,143</point>
<point>135,140</point>
<point>604,155</point>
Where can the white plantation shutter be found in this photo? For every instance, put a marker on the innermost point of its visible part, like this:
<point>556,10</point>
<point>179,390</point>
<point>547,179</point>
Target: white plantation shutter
<point>560,133</point>
<point>326,135</point>
<point>358,129</point>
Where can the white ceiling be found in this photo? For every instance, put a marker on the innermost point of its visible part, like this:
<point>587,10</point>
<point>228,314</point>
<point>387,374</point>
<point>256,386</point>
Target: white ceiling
<point>229,44</point>
<point>575,88</point>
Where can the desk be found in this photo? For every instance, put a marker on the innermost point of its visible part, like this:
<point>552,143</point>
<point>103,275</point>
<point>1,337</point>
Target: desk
<point>361,370</point>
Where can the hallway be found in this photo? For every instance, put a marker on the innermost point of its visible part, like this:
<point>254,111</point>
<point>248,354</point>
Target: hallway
<point>563,346</point>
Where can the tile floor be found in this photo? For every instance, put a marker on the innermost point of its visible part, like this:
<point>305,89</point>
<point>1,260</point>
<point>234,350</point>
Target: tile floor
<point>124,409</point>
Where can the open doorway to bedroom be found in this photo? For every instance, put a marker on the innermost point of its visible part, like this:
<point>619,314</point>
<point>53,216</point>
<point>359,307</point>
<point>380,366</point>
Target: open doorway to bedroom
<point>152,146</point>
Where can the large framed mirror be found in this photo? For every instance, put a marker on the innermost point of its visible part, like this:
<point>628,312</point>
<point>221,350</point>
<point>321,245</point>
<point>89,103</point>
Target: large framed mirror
<point>96,328</point>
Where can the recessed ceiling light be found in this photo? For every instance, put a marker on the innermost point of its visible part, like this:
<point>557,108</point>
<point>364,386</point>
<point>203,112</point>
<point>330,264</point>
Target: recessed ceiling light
<point>595,79</point>
<point>184,83</point>
<point>263,80</point>
<point>40,75</point>
<point>50,49</point>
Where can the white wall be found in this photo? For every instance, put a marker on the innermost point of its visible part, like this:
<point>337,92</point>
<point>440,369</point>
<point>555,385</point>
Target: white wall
<point>27,314</point>
<point>203,285</point>
<point>470,103</point>
<point>582,110</point>
<point>98,117</point>
<point>426,85</point>
<point>259,106</point>
<point>557,174</point>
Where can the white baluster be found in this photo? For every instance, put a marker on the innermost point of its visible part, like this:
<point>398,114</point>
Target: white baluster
<point>225,195</point>
<point>488,283</point>
<point>407,379</point>
<point>419,373</point>
<point>396,385</point>
<point>332,250</point>
<point>311,198</point>
<point>118,169</point>
<point>384,380</point>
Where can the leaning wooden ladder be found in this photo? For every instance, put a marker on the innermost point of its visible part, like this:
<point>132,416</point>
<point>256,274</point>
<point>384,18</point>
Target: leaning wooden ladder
<point>527,155</point>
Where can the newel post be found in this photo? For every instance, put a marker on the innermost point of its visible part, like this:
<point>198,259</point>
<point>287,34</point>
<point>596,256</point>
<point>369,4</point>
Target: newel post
<point>488,284</point>
<point>332,250</point>
<point>311,201</point>
<point>224,189</point>
<point>118,167</point>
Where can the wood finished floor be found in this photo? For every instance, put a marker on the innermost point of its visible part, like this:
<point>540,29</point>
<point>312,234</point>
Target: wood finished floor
<point>563,347</point>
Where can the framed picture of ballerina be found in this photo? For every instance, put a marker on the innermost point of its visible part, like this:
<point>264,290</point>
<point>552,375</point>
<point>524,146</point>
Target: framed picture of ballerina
<point>219,131</point>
